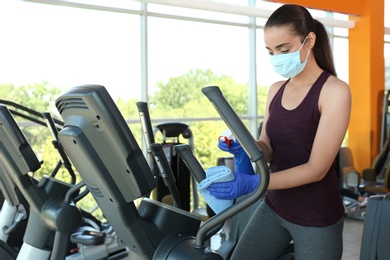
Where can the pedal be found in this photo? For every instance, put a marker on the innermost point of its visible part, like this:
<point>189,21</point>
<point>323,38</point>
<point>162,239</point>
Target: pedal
<point>88,236</point>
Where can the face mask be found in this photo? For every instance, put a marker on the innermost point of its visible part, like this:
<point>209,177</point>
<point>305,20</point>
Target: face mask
<point>289,65</point>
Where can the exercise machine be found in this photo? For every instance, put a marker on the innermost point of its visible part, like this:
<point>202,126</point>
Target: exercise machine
<point>103,149</point>
<point>349,184</point>
<point>376,230</point>
<point>171,132</point>
<point>181,181</point>
<point>174,179</point>
<point>54,220</point>
<point>18,160</point>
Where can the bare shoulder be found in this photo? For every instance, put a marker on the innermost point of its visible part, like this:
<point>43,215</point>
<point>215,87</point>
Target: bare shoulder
<point>336,86</point>
<point>335,92</point>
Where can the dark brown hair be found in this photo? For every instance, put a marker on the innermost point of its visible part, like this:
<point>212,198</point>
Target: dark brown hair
<point>302,23</point>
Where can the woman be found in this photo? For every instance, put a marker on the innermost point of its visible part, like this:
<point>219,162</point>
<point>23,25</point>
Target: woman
<point>305,122</point>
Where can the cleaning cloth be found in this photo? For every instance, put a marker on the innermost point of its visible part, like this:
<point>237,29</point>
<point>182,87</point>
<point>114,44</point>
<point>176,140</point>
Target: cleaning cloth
<point>215,174</point>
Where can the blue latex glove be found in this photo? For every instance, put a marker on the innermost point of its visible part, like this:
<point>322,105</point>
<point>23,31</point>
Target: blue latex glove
<point>242,163</point>
<point>230,190</point>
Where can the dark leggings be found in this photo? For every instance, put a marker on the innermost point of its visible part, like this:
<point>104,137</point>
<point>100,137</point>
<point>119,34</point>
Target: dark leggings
<point>267,235</point>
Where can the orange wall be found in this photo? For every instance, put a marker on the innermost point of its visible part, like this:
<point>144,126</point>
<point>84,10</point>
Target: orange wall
<point>367,81</point>
<point>354,7</point>
<point>366,72</point>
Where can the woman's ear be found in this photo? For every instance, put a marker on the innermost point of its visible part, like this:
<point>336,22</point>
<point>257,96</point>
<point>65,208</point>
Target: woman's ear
<point>311,39</point>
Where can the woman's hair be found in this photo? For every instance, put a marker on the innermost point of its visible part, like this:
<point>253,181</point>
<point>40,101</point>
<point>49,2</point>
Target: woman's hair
<point>302,23</point>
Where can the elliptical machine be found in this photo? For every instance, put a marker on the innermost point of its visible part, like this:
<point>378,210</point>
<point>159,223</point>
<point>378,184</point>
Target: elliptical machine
<point>54,221</point>
<point>104,151</point>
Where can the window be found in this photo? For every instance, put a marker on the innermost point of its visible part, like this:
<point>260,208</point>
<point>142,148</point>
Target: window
<point>68,47</point>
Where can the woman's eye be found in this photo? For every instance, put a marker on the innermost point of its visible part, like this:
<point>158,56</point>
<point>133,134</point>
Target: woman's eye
<point>270,53</point>
<point>284,51</point>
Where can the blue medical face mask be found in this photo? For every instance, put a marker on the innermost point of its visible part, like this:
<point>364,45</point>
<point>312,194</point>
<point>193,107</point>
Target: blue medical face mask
<point>289,65</point>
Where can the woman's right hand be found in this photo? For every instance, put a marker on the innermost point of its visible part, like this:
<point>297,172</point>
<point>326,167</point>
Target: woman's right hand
<point>230,146</point>
<point>242,163</point>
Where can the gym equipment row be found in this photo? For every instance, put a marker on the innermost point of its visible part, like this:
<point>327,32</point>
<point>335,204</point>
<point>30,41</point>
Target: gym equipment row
<point>102,148</point>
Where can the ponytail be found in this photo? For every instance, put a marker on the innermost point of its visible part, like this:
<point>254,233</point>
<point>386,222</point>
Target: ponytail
<point>322,50</point>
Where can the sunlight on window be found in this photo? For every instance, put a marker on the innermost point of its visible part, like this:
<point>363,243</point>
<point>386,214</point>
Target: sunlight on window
<point>68,47</point>
<point>176,48</point>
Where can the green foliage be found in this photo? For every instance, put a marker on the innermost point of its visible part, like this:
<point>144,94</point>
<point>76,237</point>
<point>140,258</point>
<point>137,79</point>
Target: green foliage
<point>262,93</point>
<point>128,108</point>
<point>181,90</point>
<point>39,97</point>
<point>182,96</point>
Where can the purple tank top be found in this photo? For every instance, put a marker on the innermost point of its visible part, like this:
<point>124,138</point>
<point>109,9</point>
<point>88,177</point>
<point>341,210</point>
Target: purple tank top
<point>291,133</point>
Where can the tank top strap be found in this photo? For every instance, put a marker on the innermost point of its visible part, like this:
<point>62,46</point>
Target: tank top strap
<point>312,97</point>
<point>317,86</point>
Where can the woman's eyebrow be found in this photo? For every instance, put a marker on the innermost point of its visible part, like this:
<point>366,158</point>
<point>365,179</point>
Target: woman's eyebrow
<point>278,46</point>
<point>281,45</point>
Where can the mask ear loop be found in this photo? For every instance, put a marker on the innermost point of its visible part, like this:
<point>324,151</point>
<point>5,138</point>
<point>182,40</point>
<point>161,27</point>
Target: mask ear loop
<point>303,43</point>
<point>307,56</point>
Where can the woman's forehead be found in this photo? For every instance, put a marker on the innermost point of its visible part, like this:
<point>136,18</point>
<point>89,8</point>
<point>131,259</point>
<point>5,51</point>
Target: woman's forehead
<point>274,36</point>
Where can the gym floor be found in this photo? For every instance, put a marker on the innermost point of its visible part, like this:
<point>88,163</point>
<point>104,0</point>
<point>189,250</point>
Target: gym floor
<point>353,231</point>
